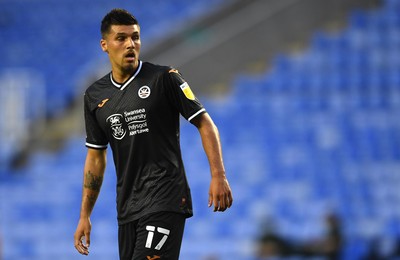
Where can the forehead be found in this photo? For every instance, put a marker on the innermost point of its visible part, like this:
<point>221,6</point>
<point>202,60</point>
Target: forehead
<point>124,29</point>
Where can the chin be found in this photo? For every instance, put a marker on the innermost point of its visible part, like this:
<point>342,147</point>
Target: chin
<point>130,67</point>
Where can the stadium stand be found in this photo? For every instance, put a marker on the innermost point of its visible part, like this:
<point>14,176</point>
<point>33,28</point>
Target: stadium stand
<point>316,133</point>
<point>48,35</point>
<point>55,44</point>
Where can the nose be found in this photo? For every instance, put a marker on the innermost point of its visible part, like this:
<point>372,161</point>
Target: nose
<point>131,43</point>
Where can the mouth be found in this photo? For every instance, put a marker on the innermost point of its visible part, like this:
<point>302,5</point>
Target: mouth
<point>130,56</point>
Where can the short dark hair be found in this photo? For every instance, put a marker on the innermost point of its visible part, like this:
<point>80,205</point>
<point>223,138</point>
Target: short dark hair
<point>116,16</point>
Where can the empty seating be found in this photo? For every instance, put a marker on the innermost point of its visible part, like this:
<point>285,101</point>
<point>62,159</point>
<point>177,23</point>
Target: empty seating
<point>317,133</point>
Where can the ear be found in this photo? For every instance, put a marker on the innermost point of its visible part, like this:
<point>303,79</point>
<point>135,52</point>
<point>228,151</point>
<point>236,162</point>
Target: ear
<point>103,45</point>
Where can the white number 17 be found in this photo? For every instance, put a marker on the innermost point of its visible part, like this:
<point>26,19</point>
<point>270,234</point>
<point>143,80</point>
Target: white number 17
<point>150,236</point>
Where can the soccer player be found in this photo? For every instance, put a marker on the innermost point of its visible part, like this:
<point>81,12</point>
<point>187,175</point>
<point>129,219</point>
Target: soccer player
<point>135,109</point>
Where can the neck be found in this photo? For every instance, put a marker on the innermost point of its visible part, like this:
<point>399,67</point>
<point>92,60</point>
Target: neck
<point>123,74</point>
<point>121,77</point>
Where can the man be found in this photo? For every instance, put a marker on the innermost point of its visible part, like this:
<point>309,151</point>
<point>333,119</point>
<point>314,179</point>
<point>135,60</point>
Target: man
<point>135,109</point>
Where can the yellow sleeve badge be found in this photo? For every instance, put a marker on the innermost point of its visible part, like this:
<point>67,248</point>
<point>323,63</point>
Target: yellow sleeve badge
<point>187,91</point>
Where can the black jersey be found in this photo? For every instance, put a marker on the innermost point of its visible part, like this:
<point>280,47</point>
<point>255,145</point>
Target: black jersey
<point>140,121</point>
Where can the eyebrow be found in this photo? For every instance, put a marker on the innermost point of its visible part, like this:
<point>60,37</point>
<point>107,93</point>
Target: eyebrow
<point>125,34</point>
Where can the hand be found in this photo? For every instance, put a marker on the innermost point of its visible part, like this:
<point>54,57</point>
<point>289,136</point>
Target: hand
<point>83,233</point>
<point>220,194</point>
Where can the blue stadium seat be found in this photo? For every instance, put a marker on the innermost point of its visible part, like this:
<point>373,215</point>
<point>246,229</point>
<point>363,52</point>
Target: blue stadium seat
<point>318,131</point>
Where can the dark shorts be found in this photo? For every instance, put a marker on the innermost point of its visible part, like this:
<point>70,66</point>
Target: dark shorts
<point>154,236</point>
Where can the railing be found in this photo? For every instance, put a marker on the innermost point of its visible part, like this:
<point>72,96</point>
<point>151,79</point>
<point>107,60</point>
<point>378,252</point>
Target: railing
<point>22,109</point>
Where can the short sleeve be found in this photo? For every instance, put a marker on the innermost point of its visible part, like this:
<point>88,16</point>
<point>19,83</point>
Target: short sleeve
<point>181,95</point>
<point>95,137</point>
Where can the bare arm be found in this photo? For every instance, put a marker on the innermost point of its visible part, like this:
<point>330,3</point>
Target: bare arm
<point>220,193</point>
<point>95,165</point>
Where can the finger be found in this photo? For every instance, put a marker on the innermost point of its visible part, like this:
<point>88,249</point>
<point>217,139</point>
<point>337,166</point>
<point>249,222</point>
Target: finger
<point>87,239</point>
<point>210,200</point>
<point>85,245</point>
<point>222,203</point>
<point>230,200</point>
<point>81,247</point>
<point>216,203</point>
<point>78,244</point>
<point>82,250</point>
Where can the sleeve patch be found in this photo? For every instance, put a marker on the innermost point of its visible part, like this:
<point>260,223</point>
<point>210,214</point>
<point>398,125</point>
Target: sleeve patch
<point>187,91</point>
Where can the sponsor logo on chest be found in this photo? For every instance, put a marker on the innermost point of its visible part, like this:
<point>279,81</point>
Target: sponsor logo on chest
<point>133,122</point>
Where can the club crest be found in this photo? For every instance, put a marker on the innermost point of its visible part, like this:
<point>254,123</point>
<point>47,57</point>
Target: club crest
<point>116,126</point>
<point>144,92</point>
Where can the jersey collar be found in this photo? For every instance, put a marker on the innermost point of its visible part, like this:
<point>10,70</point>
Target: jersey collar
<point>123,86</point>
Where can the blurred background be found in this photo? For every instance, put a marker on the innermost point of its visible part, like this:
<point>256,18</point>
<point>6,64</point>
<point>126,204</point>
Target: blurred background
<point>306,95</point>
